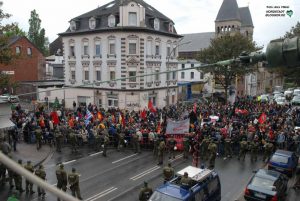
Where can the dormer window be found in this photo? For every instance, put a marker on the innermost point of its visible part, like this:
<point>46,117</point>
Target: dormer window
<point>132,17</point>
<point>171,27</point>
<point>73,25</point>
<point>111,21</point>
<point>156,24</point>
<point>92,23</point>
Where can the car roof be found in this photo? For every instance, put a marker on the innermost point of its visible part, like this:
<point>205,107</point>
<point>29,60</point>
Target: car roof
<point>173,190</point>
<point>284,153</point>
<point>268,174</point>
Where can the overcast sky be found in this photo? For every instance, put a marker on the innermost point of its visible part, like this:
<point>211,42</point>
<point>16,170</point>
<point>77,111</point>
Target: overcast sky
<point>190,16</point>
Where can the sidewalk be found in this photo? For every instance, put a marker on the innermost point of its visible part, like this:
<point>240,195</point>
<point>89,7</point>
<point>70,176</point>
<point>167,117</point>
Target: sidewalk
<point>29,152</point>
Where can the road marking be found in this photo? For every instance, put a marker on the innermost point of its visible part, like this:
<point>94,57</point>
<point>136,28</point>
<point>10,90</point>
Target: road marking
<point>68,162</point>
<point>124,158</point>
<point>103,193</point>
<point>177,157</point>
<point>136,177</point>
<point>96,153</point>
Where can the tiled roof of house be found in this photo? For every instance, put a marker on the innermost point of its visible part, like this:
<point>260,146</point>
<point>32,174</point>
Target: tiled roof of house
<point>229,11</point>
<point>196,41</point>
<point>246,18</point>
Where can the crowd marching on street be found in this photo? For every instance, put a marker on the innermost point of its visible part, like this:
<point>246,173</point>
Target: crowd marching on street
<point>246,127</point>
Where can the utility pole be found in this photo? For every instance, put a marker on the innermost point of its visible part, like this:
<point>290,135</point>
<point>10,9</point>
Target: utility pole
<point>167,65</point>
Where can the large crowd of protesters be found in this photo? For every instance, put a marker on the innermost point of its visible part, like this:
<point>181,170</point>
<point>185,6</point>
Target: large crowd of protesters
<point>246,118</point>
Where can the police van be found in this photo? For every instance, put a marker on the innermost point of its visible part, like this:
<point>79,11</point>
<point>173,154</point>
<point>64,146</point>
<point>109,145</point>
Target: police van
<point>204,186</point>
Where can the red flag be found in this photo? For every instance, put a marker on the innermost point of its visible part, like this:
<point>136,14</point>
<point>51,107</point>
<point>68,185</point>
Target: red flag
<point>262,119</point>
<point>54,117</point>
<point>195,108</point>
<point>143,114</point>
<point>150,106</point>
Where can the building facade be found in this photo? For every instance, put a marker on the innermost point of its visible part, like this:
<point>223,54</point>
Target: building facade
<point>109,50</point>
<point>29,64</point>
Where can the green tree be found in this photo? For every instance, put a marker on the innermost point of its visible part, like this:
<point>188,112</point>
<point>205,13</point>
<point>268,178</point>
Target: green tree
<point>36,34</point>
<point>224,48</point>
<point>294,31</point>
<point>5,52</point>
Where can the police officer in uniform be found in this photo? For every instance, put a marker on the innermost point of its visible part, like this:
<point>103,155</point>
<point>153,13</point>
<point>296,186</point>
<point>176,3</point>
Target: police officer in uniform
<point>41,173</point>
<point>243,149</point>
<point>18,179</point>
<point>254,147</point>
<point>105,144</point>
<point>73,141</point>
<point>73,179</point>
<point>155,145</point>
<point>172,147</point>
<point>62,178</point>
<point>168,172</point>
<point>227,147</point>
<point>136,144</point>
<point>161,150</point>
<point>268,150</point>
<point>186,146</point>
<point>121,142</point>
<point>38,137</point>
<point>145,192</point>
<point>58,139</point>
<point>185,181</point>
<point>212,149</point>
<point>29,185</point>
<point>203,147</point>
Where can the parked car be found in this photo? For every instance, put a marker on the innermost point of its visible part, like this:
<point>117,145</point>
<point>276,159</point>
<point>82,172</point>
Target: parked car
<point>296,100</point>
<point>288,93</point>
<point>266,185</point>
<point>277,95</point>
<point>281,101</point>
<point>13,99</point>
<point>284,161</point>
<point>6,98</point>
<point>296,92</point>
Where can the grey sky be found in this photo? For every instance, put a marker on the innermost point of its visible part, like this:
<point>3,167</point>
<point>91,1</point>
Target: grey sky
<point>190,16</point>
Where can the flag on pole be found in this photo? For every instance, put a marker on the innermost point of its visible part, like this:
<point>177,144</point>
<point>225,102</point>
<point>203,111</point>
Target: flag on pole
<point>150,106</point>
<point>88,117</point>
<point>143,114</point>
<point>262,119</point>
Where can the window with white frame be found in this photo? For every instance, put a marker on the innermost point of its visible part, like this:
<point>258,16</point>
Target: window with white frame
<point>168,75</point>
<point>171,27</point>
<point>111,21</point>
<point>85,44</point>
<point>156,24</point>
<point>112,46</point>
<point>112,102</point>
<point>72,50</point>
<point>18,50</point>
<point>149,47</point>
<point>98,75</point>
<point>72,25</point>
<point>174,75</point>
<point>156,75</point>
<point>97,47</point>
<point>168,51</point>
<point>100,102</point>
<point>182,75</point>
<point>174,50</point>
<point>132,46</point>
<point>29,51</point>
<point>73,74</point>
<point>92,23</point>
<point>132,18</point>
<point>157,49</point>
<point>132,74</point>
<point>192,75</point>
<point>201,75</point>
<point>86,75</point>
<point>112,75</point>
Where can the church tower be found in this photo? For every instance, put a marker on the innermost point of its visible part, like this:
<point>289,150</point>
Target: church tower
<point>232,19</point>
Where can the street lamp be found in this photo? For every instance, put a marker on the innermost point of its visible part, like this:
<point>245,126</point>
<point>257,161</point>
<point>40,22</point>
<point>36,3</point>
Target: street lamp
<point>168,62</point>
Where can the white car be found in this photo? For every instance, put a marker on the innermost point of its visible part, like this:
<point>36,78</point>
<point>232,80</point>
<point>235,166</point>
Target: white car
<point>281,101</point>
<point>4,99</point>
<point>277,95</point>
<point>296,92</point>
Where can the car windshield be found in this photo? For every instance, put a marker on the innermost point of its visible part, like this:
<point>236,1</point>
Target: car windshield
<point>262,182</point>
<point>279,159</point>
<point>158,196</point>
<point>296,98</point>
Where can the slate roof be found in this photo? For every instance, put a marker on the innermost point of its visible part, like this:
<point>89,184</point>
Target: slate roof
<point>229,11</point>
<point>246,18</point>
<point>102,13</point>
<point>198,41</point>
